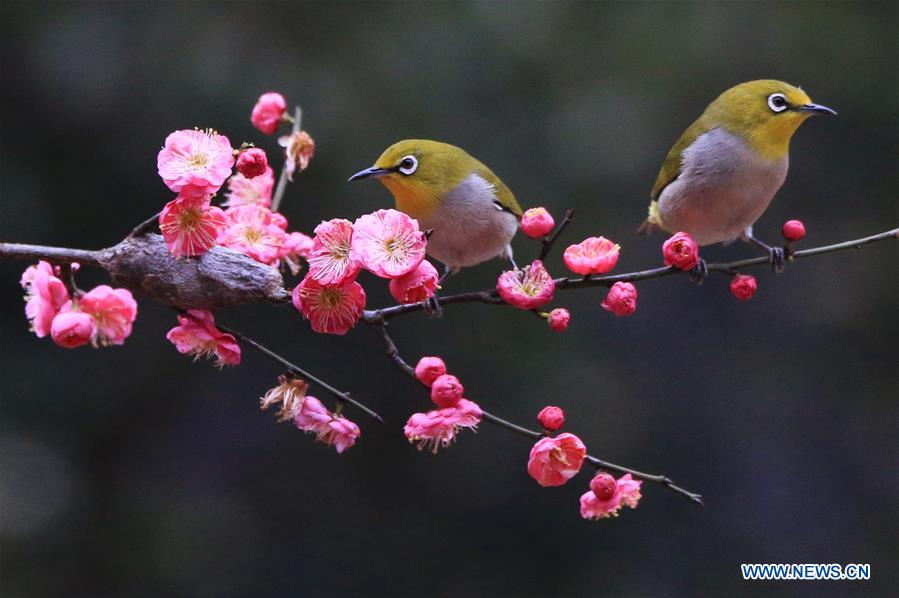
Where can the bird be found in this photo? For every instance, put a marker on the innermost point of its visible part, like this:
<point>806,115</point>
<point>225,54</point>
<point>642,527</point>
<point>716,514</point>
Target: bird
<point>471,213</point>
<point>721,175</point>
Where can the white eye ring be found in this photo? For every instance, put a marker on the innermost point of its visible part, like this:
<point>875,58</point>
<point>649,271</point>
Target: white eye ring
<point>408,165</point>
<point>777,102</point>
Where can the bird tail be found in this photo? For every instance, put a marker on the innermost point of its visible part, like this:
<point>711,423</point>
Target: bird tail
<point>647,228</point>
<point>653,222</point>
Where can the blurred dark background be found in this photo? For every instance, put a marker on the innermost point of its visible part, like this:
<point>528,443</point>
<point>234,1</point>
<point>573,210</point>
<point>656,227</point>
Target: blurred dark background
<point>131,471</point>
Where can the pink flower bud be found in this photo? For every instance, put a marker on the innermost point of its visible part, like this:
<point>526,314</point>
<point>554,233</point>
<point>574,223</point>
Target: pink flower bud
<point>417,285</point>
<point>681,251</point>
<point>793,230</point>
<point>268,111</point>
<point>446,391</point>
<point>429,369</point>
<point>252,162</point>
<point>537,222</point>
<point>622,299</point>
<point>603,486</point>
<point>743,286</point>
<point>72,329</point>
<point>551,418</point>
<point>593,255</point>
<point>558,319</point>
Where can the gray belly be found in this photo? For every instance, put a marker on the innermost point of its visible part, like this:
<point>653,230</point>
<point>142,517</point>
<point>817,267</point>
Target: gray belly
<point>724,187</point>
<point>468,227</point>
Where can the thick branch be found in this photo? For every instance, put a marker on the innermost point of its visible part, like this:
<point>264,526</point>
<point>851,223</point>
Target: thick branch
<point>491,296</point>
<point>380,326</point>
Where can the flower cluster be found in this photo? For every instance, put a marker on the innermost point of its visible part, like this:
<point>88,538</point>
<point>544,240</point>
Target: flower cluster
<point>439,427</point>
<point>102,316</point>
<point>607,496</point>
<point>309,414</point>
<point>387,243</point>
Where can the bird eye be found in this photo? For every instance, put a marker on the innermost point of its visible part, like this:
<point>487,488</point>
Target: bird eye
<point>408,165</point>
<point>777,102</point>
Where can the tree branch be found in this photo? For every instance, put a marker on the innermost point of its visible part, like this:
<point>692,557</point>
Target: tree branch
<point>549,241</point>
<point>55,255</point>
<point>282,180</point>
<point>380,327</point>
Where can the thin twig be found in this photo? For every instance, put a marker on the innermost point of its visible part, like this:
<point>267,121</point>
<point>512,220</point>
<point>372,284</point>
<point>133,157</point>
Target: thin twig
<point>491,296</point>
<point>380,326</point>
<point>146,226</point>
<point>282,180</point>
<point>54,255</point>
<point>341,396</point>
<point>549,241</point>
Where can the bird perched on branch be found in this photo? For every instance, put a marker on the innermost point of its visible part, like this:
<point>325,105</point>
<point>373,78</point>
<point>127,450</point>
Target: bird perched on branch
<point>472,213</point>
<point>724,170</point>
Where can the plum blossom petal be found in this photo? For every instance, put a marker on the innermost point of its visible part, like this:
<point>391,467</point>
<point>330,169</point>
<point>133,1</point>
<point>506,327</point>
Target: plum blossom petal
<point>438,428</point>
<point>296,246</point>
<point>330,310</point>
<point>256,191</point>
<point>190,226</point>
<point>196,334</point>
<point>331,261</point>
<point>594,255</point>
<point>554,461</point>
<point>607,496</point>
<point>194,159</point>
<point>300,148</point>
<point>417,285</point>
<point>114,312</point>
<point>45,295</point>
<point>287,397</point>
<point>254,231</point>
<point>337,431</point>
<point>388,243</point>
<point>527,288</point>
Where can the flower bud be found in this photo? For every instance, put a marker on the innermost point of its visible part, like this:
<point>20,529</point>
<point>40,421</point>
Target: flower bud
<point>622,299</point>
<point>793,230</point>
<point>551,418</point>
<point>268,111</point>
<point>537,222</point>
<point>558,319</point>
<point>603,485</point>
<point>252,162</point>
<point>681,251</point>
<point>72,329</point>
<point>446,391</point>
<point>743,286</point>
<point>429,369</point>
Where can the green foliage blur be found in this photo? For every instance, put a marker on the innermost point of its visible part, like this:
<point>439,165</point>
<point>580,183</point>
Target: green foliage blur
<point>133,472</point>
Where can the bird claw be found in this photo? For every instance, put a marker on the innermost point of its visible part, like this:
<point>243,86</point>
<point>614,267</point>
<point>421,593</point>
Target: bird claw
<point>432,307</point>
<point>777,259</point>
<point>699,272</point>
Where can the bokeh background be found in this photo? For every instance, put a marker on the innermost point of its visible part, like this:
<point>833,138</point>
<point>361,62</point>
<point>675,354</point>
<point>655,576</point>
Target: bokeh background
<point>133,472</point>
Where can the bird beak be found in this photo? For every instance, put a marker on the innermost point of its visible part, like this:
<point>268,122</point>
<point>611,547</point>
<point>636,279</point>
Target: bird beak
<point>816,109</point>
<point>374,171</point>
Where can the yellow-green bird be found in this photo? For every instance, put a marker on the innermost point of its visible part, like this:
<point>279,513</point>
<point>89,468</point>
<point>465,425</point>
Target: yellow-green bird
<point>724,170</point>
<point>472,213</point>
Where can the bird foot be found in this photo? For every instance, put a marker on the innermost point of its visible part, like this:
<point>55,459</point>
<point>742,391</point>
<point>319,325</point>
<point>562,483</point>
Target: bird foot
<point>777,259</point>
<point>699,272</point>
<point>432,307</point>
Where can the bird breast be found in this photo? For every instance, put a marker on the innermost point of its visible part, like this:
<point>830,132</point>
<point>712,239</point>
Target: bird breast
<point>468,226</point>
<point>723,188</point>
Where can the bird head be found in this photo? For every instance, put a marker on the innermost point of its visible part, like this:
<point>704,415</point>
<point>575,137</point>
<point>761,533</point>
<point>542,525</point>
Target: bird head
<point>765,113</point>
<point>419,172</point>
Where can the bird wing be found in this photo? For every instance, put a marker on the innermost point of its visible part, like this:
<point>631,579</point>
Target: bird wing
<point>671,167</point>
<point>505,199</point>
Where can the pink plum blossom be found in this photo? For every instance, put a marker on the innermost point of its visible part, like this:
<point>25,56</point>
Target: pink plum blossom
<point>296,246</point>
<point>252,162</point>
<point>254,231</point>
<point>554,461</point>
<point>607,496</point>
<point>190,226</point>
<point>743,286</point>
<point>300,148</point>
<point>388,243</point>
<point>446,391</point>
<point>622,299</point>
<point>593,255</point>
<point>340,433</point>
<point>313,417</point>
<point>195,161</point>
<point>256,191</point>
<point>415,286</point>
<point>793,230</point>
<point>196,334</point>
<point>45,295</point>
<point>558,319</point>
<point>537,222</point>
<point>287,396</point>
<point>528,288</point>
<point>551,418</point>
<point>268,112</point>
<point>330,310</point>
<point>438,428</point>
<point>72,329</point>
<point>114,312</point>
<point>680,251</point>
<point>331,261</point>
<point>429,369</point>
